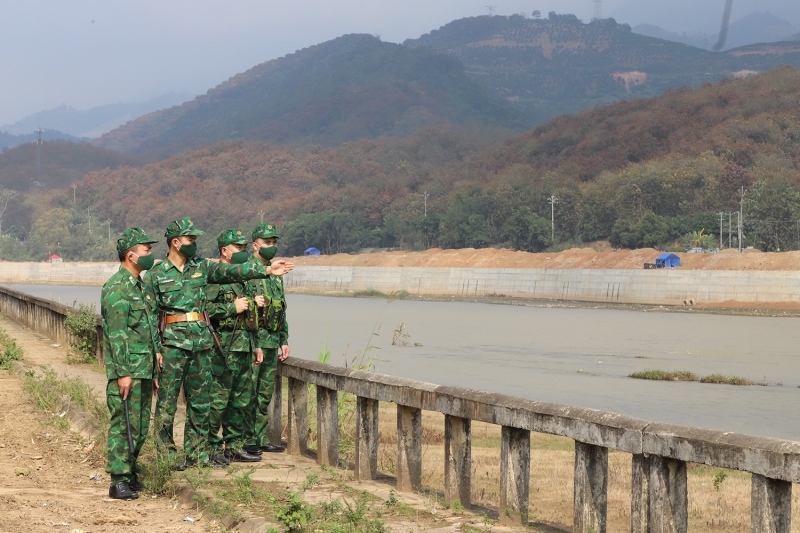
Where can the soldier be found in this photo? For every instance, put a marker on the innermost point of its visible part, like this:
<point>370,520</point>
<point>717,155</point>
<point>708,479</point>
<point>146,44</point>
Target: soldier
<point>228,307</point>
<point>129,348</point>
<point>273,339</point>
<point>177,287</point>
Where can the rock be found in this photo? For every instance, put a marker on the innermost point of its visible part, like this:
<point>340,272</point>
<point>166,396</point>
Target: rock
<point>22,471</point>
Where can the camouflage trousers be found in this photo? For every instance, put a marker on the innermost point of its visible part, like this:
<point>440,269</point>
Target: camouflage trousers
<point>263,386</point>
<point>231,390</point>
<point>121,465</point>
<point>192,371</point>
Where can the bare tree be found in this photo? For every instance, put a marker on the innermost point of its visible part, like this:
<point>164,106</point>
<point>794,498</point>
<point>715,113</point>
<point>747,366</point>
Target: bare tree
<point>5,196</point>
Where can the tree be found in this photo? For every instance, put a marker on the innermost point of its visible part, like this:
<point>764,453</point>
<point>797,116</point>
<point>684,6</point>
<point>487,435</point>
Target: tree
<point>771,212</point>
<point>537,14</point>
<point>6,195</point>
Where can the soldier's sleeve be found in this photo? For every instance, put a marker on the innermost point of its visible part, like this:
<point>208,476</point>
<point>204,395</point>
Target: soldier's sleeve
<point>283,334</point>
<point>117,308</point>
<point>224,273</point>
<point>148,289</point>
<point>217,307</point>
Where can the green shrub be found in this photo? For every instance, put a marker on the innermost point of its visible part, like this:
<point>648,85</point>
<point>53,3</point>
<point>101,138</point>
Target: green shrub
<point>9,351</point>
<point>726,380</point>
<point>82,328</point>
<point>663,375</point>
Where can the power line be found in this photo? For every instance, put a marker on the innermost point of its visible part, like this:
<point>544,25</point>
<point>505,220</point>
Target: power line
<point>598,9</point>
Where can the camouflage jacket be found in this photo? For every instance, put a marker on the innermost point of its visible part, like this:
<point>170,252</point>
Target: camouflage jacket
<point>129,328</point>
<point>230,325</point>
<point>272,289</point>
<point>177,292</point>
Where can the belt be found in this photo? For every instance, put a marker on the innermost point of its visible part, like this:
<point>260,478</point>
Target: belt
<point>188,317</point>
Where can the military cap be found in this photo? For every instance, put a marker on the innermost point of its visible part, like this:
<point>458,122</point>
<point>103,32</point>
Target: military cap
<point>179,228</point>
<point>231,236</point>
<point>131,237</point>
<point>265,231</point>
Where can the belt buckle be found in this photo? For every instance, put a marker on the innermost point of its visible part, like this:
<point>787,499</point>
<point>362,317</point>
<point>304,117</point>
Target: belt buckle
<point>194,316</point>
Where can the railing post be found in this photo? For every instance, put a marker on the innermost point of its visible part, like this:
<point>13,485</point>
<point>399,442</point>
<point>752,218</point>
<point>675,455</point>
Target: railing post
<point>409,448</point>
<point>275,429</point>
<point>640,494</point>
<point>457,460</point>
<point>366,438</point>
<point>669,509</point>
<point>590,488</point>
<point>515,473</point>
<point>327,426</point>
<point>297,443</point>
<point>770,505</point>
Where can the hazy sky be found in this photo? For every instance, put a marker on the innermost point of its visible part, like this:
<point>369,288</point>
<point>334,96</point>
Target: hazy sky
<point>87,53</point>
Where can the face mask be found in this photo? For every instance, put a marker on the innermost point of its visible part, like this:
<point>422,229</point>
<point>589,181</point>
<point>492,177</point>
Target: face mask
<point>268,252</point>
<point>237,258</point>
<point>145,261</point>
<point>188,250</point>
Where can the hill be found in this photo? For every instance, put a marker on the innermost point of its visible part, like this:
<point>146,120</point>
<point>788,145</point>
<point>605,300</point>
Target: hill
<point>10,140</point>
<point>352,87</point>
<point>645,173</point>
<point>95,121</point>
<point>559,65</point>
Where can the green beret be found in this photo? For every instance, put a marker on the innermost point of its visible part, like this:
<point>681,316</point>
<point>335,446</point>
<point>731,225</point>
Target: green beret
<point>231,236</point>
<point>265,231</point>
<point>131,237</point>
<point>179,228</point>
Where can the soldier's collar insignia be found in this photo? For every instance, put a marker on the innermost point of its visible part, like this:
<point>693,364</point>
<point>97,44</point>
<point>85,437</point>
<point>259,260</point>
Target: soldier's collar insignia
<point>270,227</point>
<point>197,274</point>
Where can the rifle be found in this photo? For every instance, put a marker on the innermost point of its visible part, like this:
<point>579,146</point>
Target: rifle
<point>128,427</point>
<point>217,343</point>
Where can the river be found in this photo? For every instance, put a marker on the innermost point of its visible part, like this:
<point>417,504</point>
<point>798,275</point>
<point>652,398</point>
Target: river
<point>577,357</point>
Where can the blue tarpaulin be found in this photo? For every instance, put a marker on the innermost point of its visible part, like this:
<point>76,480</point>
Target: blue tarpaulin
<point>668,261</point>
<point>312,251</point>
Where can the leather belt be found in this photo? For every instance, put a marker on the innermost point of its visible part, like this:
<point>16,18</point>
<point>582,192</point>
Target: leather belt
<point>188,317</point>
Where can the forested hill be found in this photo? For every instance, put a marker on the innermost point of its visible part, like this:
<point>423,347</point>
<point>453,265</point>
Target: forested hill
<point>649,173</point>
<point>559,65</point>
<point>351,87</point>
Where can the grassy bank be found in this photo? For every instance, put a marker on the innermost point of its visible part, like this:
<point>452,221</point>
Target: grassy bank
<point>685,375</point>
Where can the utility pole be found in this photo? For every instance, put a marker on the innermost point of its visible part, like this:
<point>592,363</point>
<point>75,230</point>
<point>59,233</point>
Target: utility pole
<point>598,9</point>
<point>741,215</point>
<point>720,229</point>
<point>74,187</point>
<point>425,199</point>
<point>39,141</point>
<point>730,230</point>
<point>262,215</point>
<point>108,221</point>
<point>89,219</point>
<point>490,10</point>
<point>553,201</point>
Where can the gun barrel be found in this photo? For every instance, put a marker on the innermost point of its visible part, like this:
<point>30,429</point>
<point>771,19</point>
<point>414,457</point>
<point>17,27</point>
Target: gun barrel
<point>128,426</point>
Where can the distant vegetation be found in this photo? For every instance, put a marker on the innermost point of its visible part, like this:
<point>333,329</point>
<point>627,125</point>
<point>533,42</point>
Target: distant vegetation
<point>346,89</point>
<point>684,375</point>
<point>642,173</point>
<point>557,64</point>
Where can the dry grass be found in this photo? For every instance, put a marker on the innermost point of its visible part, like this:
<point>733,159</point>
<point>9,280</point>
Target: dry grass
<point>721,506</point>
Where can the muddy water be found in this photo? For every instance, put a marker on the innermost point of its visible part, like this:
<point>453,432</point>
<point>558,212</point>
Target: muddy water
<point>571,356</point>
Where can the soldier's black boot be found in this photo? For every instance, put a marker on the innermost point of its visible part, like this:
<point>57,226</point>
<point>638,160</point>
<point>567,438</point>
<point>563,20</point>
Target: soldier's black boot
<point>219,459</point>
<point>122,491</point>
<point>271,448</point>
<point>136,485</point>
<point>252,449</point>
<point>241,456</point>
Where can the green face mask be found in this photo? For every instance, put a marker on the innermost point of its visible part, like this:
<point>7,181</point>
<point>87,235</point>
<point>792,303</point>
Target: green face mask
<point>188,250</point>
<point>145,261</point>
<point>237,258</point>
<point>268,252</point>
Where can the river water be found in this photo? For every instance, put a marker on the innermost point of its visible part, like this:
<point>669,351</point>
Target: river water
<point>571,356</point>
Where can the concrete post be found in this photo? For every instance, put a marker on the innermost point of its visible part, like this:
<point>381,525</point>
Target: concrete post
<point>409,448</point>
<point>327,426</point>
<point>457,460</point>
<point>640,494</point>
<point>515,474</point>
<point>297,443</point>
<point>590,488</point>
<point>366,439</point>
<point>770,505</point>
<point>275,431</point>
<point>669,508</point>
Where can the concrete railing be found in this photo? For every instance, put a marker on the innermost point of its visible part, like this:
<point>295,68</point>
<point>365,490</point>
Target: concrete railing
<point>659,497</point>
<point>42,316</point>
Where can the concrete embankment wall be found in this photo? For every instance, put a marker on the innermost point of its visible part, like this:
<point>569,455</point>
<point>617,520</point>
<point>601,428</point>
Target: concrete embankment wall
<point>666,286</point>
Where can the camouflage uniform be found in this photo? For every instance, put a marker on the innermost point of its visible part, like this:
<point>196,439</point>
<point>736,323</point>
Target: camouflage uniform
<point>129,338</point>
<point>187,347</point>
<point>232,381</point>
<point>270,339</point>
